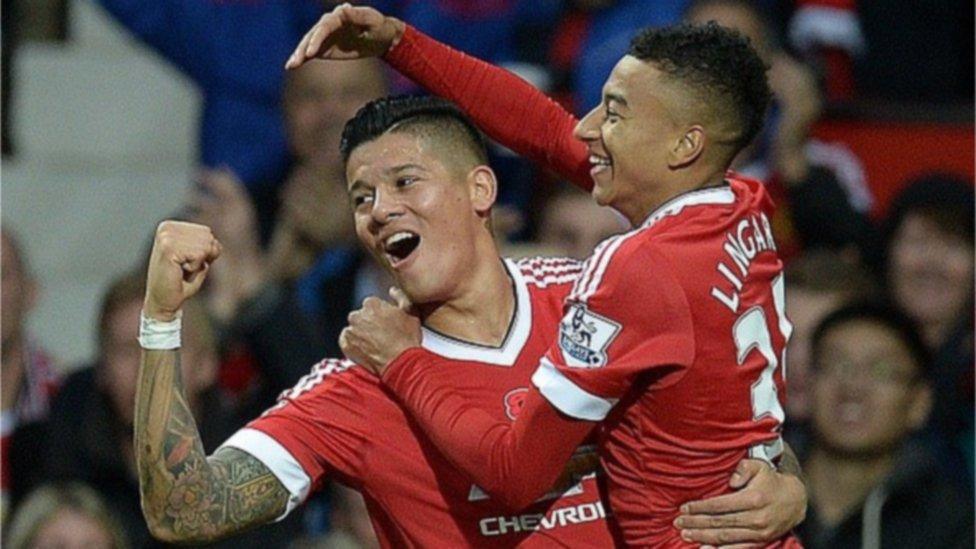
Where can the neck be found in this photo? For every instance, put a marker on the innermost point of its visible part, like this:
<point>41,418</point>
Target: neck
<point>828,470</point>
<point>483,307</point>
<point>682,182</point>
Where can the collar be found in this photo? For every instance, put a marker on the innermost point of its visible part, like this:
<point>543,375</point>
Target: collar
<point>503,355</point>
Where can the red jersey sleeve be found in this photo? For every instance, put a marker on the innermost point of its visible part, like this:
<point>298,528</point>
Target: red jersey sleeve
<point>516,463</point>
<point>317,429</point>
<point>507,108</point>
<point>626,323</point>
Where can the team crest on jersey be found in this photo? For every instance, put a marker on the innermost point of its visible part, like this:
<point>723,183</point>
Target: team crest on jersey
<point>514,400</point>
<point>584,337</point>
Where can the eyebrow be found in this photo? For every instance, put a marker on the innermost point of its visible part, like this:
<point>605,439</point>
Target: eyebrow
<point>359,183</point>
<point>607,98</point>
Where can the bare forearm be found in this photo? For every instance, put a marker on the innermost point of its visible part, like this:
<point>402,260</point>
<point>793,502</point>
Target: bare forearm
<point>185,495</point>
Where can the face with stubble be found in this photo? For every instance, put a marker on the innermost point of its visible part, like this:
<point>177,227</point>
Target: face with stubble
<point>421,211</point>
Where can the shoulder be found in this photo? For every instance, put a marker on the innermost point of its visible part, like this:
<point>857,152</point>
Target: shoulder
<point>623,263</point>
<point>543,272</point>
<point>330,376</point>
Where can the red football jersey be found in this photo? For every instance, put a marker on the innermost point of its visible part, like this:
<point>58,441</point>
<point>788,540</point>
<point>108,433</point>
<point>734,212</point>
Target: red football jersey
<point>674,338</point>
<point>677,327</point>
<point>338,423</point>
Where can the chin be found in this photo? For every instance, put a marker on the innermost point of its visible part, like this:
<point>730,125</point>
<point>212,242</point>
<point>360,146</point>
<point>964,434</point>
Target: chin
<point>601,195</point>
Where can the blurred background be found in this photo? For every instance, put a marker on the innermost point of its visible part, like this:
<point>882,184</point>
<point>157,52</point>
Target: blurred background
<point>120,113</point>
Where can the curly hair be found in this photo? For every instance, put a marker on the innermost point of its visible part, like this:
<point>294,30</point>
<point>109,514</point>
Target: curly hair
<point>718,63</point>
<point>424,114</point>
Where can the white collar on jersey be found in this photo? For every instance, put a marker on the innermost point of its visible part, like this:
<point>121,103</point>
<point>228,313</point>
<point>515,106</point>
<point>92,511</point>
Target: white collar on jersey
<point>711,195</point>
<point>518,331</point>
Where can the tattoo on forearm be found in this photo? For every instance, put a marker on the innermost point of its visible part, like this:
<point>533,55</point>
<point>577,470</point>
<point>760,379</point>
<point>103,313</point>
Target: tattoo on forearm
<point>187,496</point>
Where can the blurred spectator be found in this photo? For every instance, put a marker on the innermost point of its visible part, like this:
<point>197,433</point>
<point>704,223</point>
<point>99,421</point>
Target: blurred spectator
<point>873,49</point>
<point>828,34</point>
<point>573,224</point>
<point>64,516</point>
<point>266,341</point>
<point>817,283</point>
<point>313,245</point>
<point>29,380</point>
<point>91,431</point>
<point>929,250</point>
<point>809,179</point>
<point>870,486</point>
<point>235,53</point>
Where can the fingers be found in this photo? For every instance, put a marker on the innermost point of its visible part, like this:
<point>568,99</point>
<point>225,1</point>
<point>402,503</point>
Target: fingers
<point>749,520</point>
<point>402,301</point>
<point>723,537</point>
<point>311,44</point>
<point>728,503</point>
<point>746,471</point>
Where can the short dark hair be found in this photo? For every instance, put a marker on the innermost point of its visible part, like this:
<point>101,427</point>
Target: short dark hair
<point>718,62</point>
<point>884,315</point>
<point>945,199</point>
<point>408,111</point>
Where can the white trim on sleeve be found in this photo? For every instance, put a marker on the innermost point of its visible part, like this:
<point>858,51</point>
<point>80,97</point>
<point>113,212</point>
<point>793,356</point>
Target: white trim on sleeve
<point>568,397</point>
<point>278,460</point>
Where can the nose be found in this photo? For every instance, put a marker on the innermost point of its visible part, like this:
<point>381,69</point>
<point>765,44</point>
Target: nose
<point>386,207</point>
<point>588,129</point>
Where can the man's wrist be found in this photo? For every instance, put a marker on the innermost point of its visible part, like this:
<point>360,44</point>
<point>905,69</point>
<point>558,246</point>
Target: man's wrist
<point>159,315</point>
<point>158,335</point>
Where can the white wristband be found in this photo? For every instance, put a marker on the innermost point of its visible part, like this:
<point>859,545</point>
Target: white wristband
<point>156,335</point>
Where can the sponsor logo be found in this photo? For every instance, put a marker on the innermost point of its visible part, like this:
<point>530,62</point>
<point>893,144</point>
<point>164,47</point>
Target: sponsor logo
<point>584,337</point>
<point>514,400</point>
<point>556,518</point>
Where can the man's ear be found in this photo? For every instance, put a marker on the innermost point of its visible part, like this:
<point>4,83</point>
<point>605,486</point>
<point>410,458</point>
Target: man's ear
<point>687,148</point>
<point>483,187</point>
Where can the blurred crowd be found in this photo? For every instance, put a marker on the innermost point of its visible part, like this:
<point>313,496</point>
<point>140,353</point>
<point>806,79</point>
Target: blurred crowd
<point>880,365</point>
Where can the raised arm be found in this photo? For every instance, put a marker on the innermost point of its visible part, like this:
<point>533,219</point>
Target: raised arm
<point>507,108</point>
<point>187,496</point>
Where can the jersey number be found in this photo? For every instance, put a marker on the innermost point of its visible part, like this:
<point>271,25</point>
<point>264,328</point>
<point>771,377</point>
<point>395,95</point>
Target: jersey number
<point>752,332</point>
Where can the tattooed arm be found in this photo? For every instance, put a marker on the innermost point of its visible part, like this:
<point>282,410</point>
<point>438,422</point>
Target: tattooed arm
<point>187,496</point>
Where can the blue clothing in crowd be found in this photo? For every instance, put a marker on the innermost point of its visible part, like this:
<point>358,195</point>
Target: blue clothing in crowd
<point>609,38</point>
<point>234,50</point>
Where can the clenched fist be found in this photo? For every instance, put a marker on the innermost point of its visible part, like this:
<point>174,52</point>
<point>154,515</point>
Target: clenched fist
<point>379,332</point>
<point>181,255</point>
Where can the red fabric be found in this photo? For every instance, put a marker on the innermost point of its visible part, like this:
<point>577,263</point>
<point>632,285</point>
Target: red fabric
<point>515,463</point>
<point>340,423</point>
<point>503,105</point>
<point>659,448</point>
<point>662,345</point>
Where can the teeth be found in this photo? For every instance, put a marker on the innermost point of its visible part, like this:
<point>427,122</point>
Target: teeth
<point>599,160</point>
<point>397,237</point>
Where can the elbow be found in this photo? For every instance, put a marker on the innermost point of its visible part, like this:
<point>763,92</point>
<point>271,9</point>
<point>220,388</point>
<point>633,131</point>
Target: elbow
<point>160,528</point>
<point>161,532</point>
